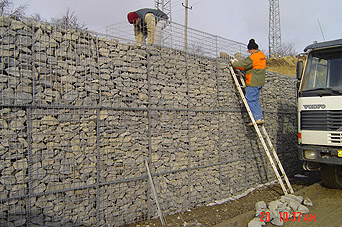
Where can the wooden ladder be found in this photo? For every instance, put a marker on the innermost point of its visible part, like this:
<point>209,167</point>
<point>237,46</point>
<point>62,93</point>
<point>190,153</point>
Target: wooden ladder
<point>263,135</point>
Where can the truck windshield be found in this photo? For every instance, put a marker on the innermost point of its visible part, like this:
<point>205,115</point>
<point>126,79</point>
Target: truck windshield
<point>323,73</point>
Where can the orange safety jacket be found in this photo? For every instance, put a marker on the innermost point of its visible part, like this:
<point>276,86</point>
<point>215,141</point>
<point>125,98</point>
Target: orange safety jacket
<point>255,69</point>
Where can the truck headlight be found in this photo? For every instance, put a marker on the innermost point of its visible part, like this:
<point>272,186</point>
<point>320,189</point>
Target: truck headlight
<point>309,154</point>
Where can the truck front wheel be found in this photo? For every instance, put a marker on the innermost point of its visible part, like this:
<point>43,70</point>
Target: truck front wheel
<point>332,176</point>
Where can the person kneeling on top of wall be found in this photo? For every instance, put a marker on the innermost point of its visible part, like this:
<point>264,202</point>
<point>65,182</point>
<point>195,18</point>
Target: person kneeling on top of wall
<point>146,23</point>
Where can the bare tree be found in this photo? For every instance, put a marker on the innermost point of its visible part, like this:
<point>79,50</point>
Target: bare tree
<point>7,8</point>
<point>68,21</point>
<point>38,18</point>
<point>287,49</point>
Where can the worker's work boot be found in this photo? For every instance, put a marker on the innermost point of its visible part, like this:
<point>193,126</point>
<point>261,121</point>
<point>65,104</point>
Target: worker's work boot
<point>258,122</point>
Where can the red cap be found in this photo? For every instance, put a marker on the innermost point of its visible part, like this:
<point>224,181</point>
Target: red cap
<point>132,17</point>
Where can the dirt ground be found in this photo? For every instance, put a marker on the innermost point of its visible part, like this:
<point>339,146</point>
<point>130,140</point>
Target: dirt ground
<point>240,209</point>
<point>326,210</point>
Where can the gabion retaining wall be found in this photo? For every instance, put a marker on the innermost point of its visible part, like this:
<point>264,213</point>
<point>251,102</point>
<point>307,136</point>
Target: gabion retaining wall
<point>80,114</point>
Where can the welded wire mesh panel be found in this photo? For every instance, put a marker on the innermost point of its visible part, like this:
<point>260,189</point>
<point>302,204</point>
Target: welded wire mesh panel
<point>13,212</point>
<point>204,138</point>
<point>122,31</point>
<point>168,79</point>
<point>63,164</point>
<point>266,97</point>
<point>123,75</point>
<point>169,141</point>
<point>288,167</point>
<point>201,43</point>
<point>123,144</point>
<point>123,203</point>
<point>256,173</point>
<point>173,193</point>
<point>70,208</point>
<point>231,47</point>
<point>231,136</point>
<point>233,178</point>
<point>204,188</point>
<point>288,123</point>
<point>65,71</point>
<point>273,97</point>
<point>15,64</point>
<point>172,35</point>
<point>63,146</point>
<point>228,97</point>
<point>202,83</point>
<point>14,163</point>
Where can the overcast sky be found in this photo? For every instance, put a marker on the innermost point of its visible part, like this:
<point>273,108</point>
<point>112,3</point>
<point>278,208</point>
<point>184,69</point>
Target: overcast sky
<point>238,20</point>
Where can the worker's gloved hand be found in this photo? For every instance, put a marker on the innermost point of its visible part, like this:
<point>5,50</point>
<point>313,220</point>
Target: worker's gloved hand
<point>233,60</point>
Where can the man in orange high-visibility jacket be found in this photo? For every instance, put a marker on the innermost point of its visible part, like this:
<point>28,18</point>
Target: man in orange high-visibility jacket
<point>255,73</point>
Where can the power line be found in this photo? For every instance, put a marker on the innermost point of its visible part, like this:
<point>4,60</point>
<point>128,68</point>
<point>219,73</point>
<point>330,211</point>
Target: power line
<point>196,3</point>
<point>175,5</point>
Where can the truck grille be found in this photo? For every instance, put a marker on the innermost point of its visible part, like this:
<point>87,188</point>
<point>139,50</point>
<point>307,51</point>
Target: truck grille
<point>335,138</point>
<point>321,120</point>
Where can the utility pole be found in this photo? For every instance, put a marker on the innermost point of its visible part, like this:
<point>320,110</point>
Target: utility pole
<point>274,35</point>
<point>186,26</point>
<point>186,6</point>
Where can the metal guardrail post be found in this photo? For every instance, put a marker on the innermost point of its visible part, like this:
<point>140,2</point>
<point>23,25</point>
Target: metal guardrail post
<point>149,129</point>
<point>29,167</point>
<point>219,120</point>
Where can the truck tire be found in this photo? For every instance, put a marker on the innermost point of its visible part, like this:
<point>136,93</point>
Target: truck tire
<point>332,176</point>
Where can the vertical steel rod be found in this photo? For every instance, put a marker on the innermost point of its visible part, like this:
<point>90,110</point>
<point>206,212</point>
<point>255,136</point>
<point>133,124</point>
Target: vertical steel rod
<point>160,214</point>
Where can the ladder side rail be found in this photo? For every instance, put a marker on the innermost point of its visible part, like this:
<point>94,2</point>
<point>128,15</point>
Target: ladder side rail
<point>275,155</point>
<point>242,94</point>
<point>271,146</point>
<point>258,131</point>
<point>242,79</point>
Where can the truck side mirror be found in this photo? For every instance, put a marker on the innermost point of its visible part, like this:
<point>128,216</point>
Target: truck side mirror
<point>299,70</point>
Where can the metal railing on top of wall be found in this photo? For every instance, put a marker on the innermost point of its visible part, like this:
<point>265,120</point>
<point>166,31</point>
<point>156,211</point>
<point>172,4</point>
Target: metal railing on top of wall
<point>172,36</point>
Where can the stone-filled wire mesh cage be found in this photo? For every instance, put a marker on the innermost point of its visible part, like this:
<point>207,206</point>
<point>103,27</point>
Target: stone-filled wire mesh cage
<point>80,112</point>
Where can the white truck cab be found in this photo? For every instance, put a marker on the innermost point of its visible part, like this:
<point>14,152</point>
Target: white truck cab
<point>320,111</point>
